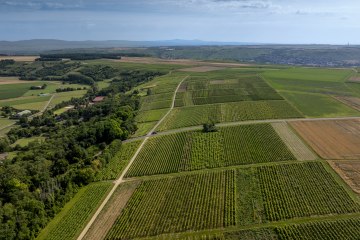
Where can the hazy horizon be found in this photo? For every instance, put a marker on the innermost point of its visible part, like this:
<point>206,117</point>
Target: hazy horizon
<point>255,21</point>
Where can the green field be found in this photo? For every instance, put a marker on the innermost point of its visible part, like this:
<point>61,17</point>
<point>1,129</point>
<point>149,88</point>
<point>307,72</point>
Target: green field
<point>144,128</point>
<point>193,202</point>
<point>151,115</point>
<point>343,229</point>
<point>228,112</point>
<point>187,151</point>
<point>317,105</point>
<point>235,197</point>
<point>76,213</point>
<point>208,89</point>
<point>114,167</point>
<point>23,142</point>
<point>309,74</point>
<point>5,122</point>
<point>66,96</point>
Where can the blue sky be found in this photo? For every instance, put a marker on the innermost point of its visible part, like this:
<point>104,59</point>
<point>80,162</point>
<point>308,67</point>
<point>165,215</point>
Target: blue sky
<point>262,21</point>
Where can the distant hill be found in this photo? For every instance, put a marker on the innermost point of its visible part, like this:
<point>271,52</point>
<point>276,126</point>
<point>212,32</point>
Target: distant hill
<point>37,46</point>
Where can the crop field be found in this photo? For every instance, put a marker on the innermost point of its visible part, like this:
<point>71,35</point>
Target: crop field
<point>300,190</point>
<point>349,171</point>
<point>201,69</point>
<point>309,74</point>
<point>111,211</point>
<point>194,202</point>
<point>293,142</point>
<point>144,128</point>
<point>342,229</point>
<point>151,115</point>
<point>70,221</point>
<point>5,122</point>
<point>114,167</point>
<point>187,151</point>
<point>353,102</point>
<point>66,96</point>
<point>234,197</point>
<point>199,90</point>
<point>318,105</point>
<point>335,139</point>
<point>15,90</point>
<point>228,112</point>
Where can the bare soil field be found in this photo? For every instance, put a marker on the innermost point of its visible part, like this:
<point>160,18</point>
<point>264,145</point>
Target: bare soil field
<point>185,62</point>
<point>293,142</point>
<point>11,80</point>
<point>332,139</point>
<point>111,211</point>
<point>354,79</point>
<point>349,171</point>
<point>20,58</point>
<point>353,102</point>
<point>201,69</point>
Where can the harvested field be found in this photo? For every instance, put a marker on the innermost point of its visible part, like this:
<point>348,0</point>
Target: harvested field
<point>20,58</point>
<point>186,62</point>
<point>201,69</point>
<point>353,102</point>
<point>354,79</point>
<point>11,80</point>
<point>335,139</point>
<point>293,142</point>
<point>349,171</point>
<point>111,211</point>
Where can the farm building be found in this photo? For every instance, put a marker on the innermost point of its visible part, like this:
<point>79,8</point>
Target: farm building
<point>23,113</point>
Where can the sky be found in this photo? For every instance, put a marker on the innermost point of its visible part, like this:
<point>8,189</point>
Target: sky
<point>255,21</point>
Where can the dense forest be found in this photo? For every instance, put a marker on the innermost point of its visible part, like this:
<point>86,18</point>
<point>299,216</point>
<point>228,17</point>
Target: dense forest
<point>42,177</point>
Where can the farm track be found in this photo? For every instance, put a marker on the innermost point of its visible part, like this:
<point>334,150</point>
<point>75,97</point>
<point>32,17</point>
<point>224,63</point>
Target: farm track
<point>120,179</point>
<point>228,124</point>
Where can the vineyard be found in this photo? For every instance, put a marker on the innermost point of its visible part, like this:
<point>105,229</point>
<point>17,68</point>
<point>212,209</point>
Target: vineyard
<point>299,190</point>
<point>199,91</point>
<point>194,202</point>
<point>336,229</point>
<point>228,112</point>
<point>70,222</point>
<point>187,151</point>
<point>114,167</point>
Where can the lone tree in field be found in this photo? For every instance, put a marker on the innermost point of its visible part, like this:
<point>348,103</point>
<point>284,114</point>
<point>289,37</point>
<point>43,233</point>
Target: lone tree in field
<point>209,127</point>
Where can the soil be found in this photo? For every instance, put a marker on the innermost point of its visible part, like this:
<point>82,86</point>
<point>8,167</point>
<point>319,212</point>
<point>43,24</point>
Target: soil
<point>20,58</point>
<point>201,69</point>
<point>332,139</point>
<point>293,142</point>
<point>352,102</point>
<point>349,171</point>
<point>111,212</point>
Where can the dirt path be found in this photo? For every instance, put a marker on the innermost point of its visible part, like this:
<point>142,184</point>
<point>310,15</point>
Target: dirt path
<point>293,142</point>
<point>120,179</point>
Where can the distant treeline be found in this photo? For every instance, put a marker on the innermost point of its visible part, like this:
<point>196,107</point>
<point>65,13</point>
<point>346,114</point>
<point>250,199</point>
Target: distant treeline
<point>86,56</point>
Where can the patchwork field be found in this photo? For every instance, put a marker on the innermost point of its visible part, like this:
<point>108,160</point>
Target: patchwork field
<point>187,151</point>
<point>353,102</point>
<point>318,105</point>
<point>349,171</point>
<point>236,197</point>
<point>228,112</point>
<point>338,139</point>
<point>215,88</point>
